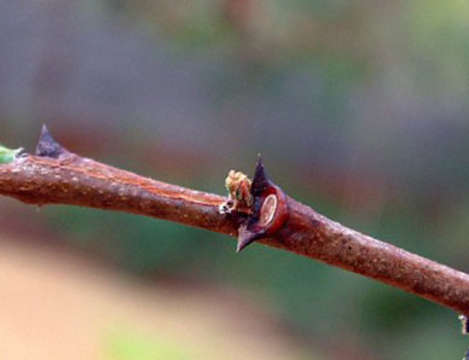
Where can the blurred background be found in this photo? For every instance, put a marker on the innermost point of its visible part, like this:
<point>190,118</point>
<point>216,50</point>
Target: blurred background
<point>359,109</point>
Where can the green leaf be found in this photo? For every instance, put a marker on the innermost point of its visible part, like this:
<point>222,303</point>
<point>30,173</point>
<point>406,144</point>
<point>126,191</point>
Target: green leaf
<point>8,155</point>
<point>127,345</point>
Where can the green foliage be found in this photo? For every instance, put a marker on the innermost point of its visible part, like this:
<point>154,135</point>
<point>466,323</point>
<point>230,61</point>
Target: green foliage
<point>8,155</point>
<point>128,345</point>
<point>440,50</point>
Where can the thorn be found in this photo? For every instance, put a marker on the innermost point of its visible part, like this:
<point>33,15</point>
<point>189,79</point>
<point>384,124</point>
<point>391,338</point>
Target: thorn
<point>260,181</point>
<point>245,237</point>
<point>269,209</point>
<point>47,146</point>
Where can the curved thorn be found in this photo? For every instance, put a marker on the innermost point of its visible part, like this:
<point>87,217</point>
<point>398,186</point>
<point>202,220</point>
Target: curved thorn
<point>245,237</point>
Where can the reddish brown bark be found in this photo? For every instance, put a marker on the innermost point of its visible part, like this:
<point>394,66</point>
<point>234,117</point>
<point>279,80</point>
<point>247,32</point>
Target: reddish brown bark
<point>74,180</point>
<point>56,176</point>
<point>313,235</point>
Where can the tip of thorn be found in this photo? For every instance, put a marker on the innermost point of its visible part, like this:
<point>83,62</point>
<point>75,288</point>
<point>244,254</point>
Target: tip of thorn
<point>259,160</point>
<point>241,246</point>
<point>259,167</point>
<point>47,146</point>
<point>245,237</point>
<point>260,180</point>
<point>44,129</point>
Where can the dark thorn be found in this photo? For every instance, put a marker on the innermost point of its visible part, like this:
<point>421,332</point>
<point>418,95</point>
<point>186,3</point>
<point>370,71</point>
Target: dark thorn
<point>245,237</point>
<point>260,181</point>
<point>47,146</point>
<point>251,229</point>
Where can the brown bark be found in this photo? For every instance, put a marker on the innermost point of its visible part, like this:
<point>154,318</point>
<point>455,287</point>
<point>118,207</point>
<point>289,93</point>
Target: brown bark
<point>56,176</point>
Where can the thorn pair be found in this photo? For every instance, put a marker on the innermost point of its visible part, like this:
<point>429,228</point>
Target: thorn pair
<point>269,210</point>
<point>268,204</point>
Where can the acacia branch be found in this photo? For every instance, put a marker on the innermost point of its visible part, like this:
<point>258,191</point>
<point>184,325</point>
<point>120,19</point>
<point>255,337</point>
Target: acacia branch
<point>57,176</point>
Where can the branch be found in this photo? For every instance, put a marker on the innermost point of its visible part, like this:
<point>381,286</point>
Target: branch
<point>257,211</point>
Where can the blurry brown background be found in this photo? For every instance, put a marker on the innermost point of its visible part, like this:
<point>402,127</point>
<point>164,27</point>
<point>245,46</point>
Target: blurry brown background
<point>359,109</point>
